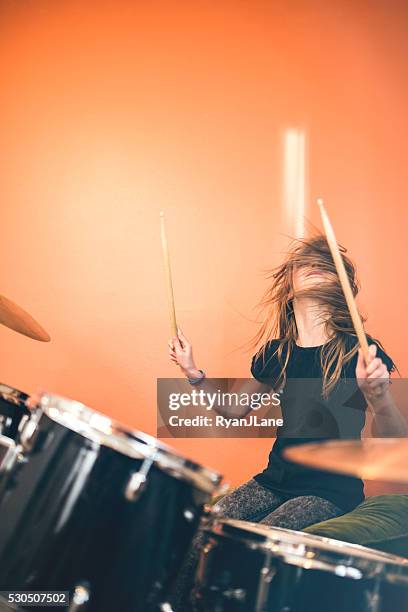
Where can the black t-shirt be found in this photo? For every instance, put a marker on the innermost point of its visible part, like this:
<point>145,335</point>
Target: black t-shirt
<point>309,418</point>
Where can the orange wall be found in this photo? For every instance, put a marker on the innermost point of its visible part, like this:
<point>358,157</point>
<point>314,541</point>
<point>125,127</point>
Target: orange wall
<point>114,110</point>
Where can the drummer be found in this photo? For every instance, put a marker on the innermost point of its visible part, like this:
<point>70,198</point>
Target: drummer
<point>307,333</point>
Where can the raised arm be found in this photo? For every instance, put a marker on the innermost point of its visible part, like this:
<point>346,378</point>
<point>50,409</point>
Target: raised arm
<point>181,353</point>
<point>373,380</point>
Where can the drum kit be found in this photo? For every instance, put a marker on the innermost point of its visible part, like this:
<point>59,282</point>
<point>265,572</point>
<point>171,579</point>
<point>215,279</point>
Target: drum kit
<point>107,514</point>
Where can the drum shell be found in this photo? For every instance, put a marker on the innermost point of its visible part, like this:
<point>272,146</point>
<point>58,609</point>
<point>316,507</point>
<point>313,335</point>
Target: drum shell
<point>66,521</point>
<point>233,576</point>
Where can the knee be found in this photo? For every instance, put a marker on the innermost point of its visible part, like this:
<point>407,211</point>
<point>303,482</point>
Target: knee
<point>218,508</point>
<point>223,505</point>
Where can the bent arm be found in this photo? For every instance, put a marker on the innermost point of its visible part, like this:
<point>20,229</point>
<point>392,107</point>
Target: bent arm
<point>181,353</point>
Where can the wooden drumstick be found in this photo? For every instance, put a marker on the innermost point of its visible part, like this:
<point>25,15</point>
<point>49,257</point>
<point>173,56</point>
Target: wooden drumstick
<point>344,281</point>
<point>167,269</point>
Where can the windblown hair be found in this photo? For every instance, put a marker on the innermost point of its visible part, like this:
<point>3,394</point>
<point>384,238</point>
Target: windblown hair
<point>279,319</point>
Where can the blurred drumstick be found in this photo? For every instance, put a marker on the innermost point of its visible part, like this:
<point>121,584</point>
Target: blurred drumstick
<point>344,281</point>
<point>167,270</point>
<point>19,320</point>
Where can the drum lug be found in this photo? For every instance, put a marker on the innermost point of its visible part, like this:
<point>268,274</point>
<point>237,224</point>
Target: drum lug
<point>137,481</point>
<point>80,598</point>
<point>373,598</point>
<point>29,431</point>
<point>12,456</point>
<point>268,573</point>
<point>236,594</point>
<point>23,422</point>
<point>21,458</point>
<point>189,515</point>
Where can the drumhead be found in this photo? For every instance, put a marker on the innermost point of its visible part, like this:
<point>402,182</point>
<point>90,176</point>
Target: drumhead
<point>105,431</point>
<point>313,551</point>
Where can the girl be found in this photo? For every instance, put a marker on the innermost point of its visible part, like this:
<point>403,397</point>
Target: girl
<point>307,333</point>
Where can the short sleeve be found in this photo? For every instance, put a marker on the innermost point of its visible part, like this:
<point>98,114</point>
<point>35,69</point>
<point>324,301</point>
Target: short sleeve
<point>265,365</point>
<point>386,359</point>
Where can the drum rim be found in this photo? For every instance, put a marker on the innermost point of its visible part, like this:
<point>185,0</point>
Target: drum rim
<point>395,567</point>
<point>131,442</point>
<point>15,394</point>
<point>9,442</point>
<point>11,453</point>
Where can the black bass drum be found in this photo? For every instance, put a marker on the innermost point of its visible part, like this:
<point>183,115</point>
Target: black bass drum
<point>247,567</point>
<point>98,510</point>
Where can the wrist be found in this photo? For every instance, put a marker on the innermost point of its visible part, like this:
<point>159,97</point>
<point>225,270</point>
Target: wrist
<point>192,372</point>
<point>378,397</point>
<point>197,379</point>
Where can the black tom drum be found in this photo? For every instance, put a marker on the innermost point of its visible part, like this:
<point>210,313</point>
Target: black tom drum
<point>247,567</point>
<point>99,510</point>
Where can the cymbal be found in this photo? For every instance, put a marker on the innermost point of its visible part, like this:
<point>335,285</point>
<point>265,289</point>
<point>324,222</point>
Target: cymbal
<point>383,459</point>
<point>14,317</point>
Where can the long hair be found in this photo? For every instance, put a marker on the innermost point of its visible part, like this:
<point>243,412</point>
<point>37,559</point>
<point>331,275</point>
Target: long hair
<point>279,319</point>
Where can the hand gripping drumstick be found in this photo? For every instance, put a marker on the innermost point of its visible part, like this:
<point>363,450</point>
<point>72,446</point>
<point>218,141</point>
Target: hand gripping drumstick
<point>344,281</point>
<point>167,269</point>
